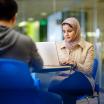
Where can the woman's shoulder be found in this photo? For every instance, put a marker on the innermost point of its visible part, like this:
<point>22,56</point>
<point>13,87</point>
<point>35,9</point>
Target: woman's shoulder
<point>85,43</point>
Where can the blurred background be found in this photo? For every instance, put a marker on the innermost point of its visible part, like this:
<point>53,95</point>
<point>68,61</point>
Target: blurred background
<point>41,20</point>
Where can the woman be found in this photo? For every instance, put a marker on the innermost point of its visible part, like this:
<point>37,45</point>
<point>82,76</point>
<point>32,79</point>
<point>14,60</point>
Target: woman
<point>77,51</point>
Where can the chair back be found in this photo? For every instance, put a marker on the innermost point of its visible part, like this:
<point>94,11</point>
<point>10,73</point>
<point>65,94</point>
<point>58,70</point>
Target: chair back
<point>94,72</point>
<point>95,67</point>
<point>14,74</point>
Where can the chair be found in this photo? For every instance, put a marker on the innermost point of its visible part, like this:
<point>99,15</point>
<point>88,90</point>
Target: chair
<point>36,80</point>
<point>14,74</point>
<point>17,85</point>
<point>94,71</point>
<point>96,90</point>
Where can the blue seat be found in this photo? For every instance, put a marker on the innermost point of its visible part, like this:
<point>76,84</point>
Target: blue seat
<point>36,80</point>
<point>13,69</point>
<point>14,74</point>
<point>17,85</point>
<point>96,90</point>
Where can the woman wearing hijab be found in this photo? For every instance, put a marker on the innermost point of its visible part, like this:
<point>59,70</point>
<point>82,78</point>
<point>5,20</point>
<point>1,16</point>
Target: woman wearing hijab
<point>73,50</point>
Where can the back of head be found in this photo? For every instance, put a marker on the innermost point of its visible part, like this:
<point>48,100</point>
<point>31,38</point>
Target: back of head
<point>8,9</point>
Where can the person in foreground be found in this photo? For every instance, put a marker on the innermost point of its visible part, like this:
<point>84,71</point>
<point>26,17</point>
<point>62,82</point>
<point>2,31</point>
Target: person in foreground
<point>15,45</point>
<point>12,43</point>
<point>73,50</point>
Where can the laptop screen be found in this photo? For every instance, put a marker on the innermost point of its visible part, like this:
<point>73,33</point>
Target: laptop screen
<point>48,52</point>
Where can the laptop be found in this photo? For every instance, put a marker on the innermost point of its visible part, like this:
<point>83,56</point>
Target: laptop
<point>49,54</point>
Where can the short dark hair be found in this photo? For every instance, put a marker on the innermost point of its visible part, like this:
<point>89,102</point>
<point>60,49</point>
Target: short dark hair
<point>8,9</point>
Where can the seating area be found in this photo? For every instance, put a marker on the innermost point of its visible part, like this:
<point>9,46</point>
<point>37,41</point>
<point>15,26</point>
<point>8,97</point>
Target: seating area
<point>87,97</point>
<point>96,90</point>
<point>17,85</point>
<point>15,76</point>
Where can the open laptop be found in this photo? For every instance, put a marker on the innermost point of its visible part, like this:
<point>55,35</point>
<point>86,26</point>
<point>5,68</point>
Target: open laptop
<point>48,52</point>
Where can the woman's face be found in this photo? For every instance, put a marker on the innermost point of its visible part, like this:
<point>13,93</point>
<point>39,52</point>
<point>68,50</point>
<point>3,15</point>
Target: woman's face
<point>69,33</point>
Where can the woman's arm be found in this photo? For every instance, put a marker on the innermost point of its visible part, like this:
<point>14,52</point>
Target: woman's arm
<point>86,67</point>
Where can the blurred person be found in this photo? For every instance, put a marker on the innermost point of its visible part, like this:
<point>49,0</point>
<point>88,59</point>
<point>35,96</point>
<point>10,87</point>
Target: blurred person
<point>73,50</point>
<point>18,46</point>
<point>12,43</point>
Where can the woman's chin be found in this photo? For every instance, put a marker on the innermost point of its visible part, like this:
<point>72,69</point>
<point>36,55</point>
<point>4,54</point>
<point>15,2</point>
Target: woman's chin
<point>68,40</point>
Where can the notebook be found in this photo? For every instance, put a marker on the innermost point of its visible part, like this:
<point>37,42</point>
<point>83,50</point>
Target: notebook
<point>48,52</point>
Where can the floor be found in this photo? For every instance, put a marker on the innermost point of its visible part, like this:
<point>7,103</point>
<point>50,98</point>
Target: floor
<point>92,100</point>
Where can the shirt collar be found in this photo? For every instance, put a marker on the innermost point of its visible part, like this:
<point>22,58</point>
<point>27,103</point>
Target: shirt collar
<point>81,43</point>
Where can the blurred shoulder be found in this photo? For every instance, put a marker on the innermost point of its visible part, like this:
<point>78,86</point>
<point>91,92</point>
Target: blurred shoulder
<point>24,40</point>
<point>85,44</point>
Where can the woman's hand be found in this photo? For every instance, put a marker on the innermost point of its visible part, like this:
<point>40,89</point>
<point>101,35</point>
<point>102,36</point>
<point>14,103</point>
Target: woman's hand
<point>63,62</point>
<point>67,62</point>
<point>72,62</point>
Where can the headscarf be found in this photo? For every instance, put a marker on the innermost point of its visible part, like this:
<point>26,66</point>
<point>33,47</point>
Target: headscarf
<point>76,27</point>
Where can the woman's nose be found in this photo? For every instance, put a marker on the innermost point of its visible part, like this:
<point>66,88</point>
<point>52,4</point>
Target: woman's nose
<point>65,33</point>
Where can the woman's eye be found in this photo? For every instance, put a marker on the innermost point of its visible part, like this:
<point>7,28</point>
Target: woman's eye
<point>69,31</point>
